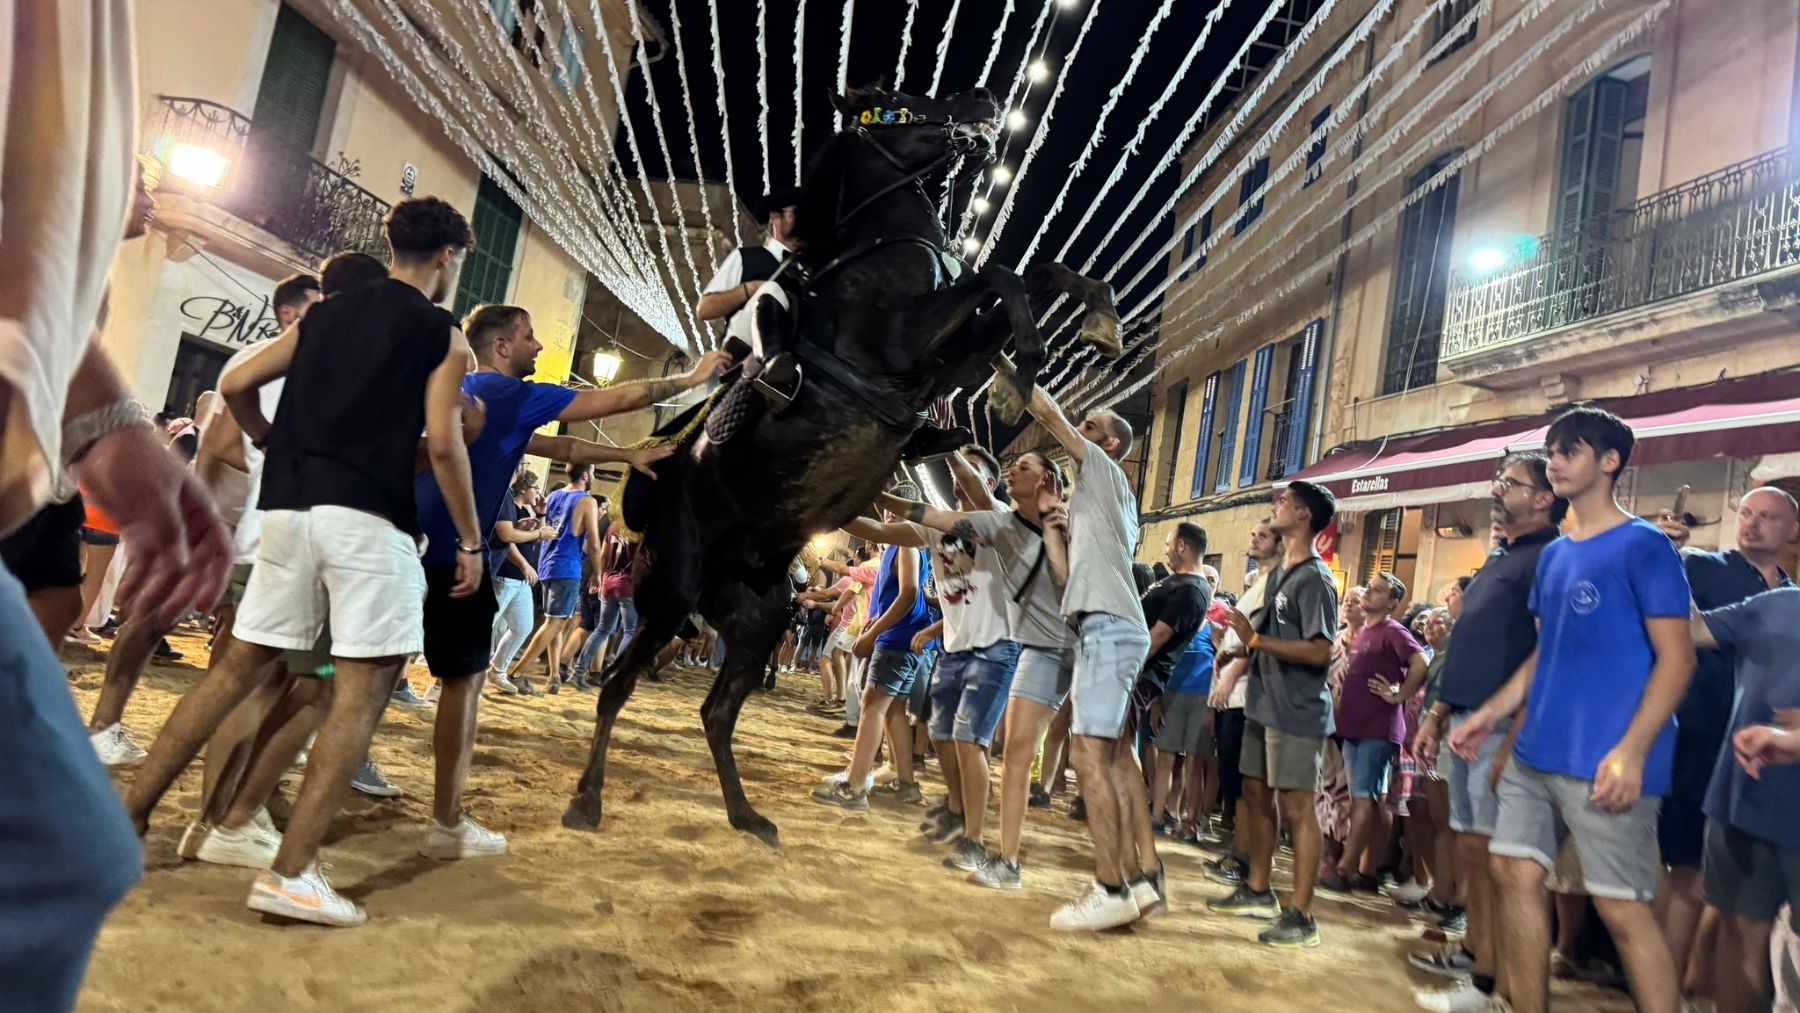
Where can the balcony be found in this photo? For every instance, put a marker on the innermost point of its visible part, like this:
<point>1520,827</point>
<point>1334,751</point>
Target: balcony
<point>1278,446</point>
<point>1705,263</point>
<point>216,155</point>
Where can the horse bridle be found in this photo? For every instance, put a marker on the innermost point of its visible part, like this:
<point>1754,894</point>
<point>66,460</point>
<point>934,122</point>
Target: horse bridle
<point>960,144</point>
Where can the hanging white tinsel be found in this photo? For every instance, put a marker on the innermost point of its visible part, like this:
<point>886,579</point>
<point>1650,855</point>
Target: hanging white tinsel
<point>799,86</point>
<point>987,67</point>
<point>943,50</point>
<point>731,188</point>
<point>843,74</point>
<point>912,11</point>
<point>687,104</point>
<point>762,84</point>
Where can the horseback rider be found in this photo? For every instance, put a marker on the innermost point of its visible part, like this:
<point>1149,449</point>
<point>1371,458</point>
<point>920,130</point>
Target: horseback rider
<point>734,286</point>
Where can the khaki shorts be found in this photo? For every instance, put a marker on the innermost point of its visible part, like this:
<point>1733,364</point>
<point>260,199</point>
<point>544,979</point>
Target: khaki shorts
<point>1283,762</point>
<point>314,662</point>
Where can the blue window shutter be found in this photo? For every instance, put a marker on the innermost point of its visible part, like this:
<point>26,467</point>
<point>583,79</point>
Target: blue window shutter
<point>1317,150</point>
<point>567,74</point>
<point>1207,399</point>
<point>1300,413</point>
<point>505,13</point>
<point>1234,401</point>
<point>1254,177</point>
<point>1253,426</point>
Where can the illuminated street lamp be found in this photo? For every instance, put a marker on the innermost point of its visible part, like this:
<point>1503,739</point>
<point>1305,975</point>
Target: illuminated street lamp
<point>606,367</point>
<point>1487,260</point>
<point>197,165</point>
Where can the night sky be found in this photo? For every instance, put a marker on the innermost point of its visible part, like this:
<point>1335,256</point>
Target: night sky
<point>874,49</point>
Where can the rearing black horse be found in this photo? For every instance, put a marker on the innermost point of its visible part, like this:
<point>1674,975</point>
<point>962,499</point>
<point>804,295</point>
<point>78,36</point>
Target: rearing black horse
<point>881,330</point>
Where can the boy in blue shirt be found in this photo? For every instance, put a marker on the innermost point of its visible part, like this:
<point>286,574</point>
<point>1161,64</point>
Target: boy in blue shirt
<point>1596,744</point>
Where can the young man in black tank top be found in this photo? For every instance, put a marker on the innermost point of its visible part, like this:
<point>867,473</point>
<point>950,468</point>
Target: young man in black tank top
<point>371,369</point>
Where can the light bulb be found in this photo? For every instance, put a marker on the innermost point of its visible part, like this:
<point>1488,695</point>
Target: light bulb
<point>1038,70</point>
<point>1001,174</point>
<point>971,244</point>
<point>1017,120</point>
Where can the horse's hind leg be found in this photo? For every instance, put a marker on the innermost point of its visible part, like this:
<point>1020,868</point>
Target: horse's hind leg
<point>752,626</point>
<point>621,677</point>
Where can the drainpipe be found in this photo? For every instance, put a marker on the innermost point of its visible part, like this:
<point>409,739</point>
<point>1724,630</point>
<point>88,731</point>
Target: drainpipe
<point>1329,344</point>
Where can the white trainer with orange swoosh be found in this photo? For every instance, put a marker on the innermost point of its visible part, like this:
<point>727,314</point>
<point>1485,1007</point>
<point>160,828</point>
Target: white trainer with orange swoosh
<point>306,897</point>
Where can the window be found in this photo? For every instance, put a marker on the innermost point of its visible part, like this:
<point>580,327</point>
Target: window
<point>1227,436</point>
<point>1208,402</point>
<point>1315,171</point>
<point>1196,238</point>
<point>1174,416</point>
<point>1253,422</point>
<point>1391,544</point>
<point>1446,19</point>
<point>1602,146</point>
<point>197,366</point>
<point>1416,324</point>
<point>1254,178</point>
<point>488,267</point>
<point>291,97</point>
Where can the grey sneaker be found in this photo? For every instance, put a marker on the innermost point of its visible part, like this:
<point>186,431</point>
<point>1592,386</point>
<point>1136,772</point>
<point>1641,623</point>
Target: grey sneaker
<point>996,873</point>
<point>405,696</point>
<point>1451,962</point>
<point>1246,903</point>
<point>903,792</point>
<point>949,830</point>
<point>843,796</point>
<point>929,825</point>
<point>1292,928</point>
<point>1229,871</point>
<point>965,855</point>
<point>369,781</point>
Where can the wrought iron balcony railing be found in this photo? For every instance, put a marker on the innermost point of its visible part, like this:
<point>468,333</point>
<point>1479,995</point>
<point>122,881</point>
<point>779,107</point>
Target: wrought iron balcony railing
<point>1278,446</point>
<point>1736,223</point>
<point>220,155</point>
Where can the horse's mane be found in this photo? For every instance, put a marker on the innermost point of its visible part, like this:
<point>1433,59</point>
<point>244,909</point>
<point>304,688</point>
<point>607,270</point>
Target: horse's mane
<point>815,220</point>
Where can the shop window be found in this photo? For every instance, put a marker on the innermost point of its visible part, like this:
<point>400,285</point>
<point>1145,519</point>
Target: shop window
<point>1253,180</point>
<point>487,269</point>
<point>1421,279</point>
<point>1174,415</point>
<point>291,97</point>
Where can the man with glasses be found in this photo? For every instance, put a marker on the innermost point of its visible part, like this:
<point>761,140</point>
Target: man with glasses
<point>1494,635</point>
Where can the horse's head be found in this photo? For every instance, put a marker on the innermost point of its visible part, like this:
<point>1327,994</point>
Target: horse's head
<point>918,129</point>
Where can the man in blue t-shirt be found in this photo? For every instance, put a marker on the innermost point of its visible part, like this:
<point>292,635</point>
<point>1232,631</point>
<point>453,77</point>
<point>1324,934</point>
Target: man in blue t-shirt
<point>457,628</point>
<point>1594,749</point>
<point>1751,863</point>
<point>897,610</point>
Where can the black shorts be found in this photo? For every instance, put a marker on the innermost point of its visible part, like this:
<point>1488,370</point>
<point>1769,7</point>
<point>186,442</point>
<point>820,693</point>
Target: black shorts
<point>589,610</point>
<point>458,631</point>
<point>46,552</point>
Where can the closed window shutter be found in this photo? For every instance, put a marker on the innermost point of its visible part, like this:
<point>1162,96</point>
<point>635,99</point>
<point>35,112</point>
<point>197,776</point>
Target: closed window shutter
<point>1317,151</point>
<point>1577,146</point>
<point>1421,282</point>
<point>487,268</point>
<point>1253,426</point>
<point>1300,411</point>
<point>1593,139</point>
<point>291,97</point>
<point>1175,411</point>
<point>1208,399</point>
<point>1254,177</point>
<point>1234,402</point>
<point>1381,543</point>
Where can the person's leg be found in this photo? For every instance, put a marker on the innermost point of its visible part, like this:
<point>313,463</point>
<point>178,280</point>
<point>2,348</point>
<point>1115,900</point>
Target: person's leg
<point>1137,839</point>
<point>1165,774</point>
<point>1093,759</point>
<point>1297,809</point>
<point>125,663</point>
<point>453,742</point>
<point>1655,985</point>
<point>57,610</point>
<point>196,716</point>
<point>517,617</point>
<point>360,693</point>
<point>900,741</point>
<point>1362,824</point>
<point>95,561</point>
<point>875,705</point>
<point>1740,967</point>
<point>283,735</point>
<point>1202,790</point>
<point>230,749</point>
<point>1256,835</point>
<point>1056,747</point>
<point>1522,932</point>
<point>1677,908</point>
<point>67,854</point>
<point>1025,721</point>
<point>1446,871</point>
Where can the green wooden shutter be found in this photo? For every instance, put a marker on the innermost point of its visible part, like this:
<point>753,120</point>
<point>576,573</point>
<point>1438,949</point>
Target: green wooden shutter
<point>1253,424</point>
<point>1175,412</point>
<point>1421,281</point>
<point>291,97</point>
<point>1208,399</point>
<point>1234,402</point>
<point>488,267</point>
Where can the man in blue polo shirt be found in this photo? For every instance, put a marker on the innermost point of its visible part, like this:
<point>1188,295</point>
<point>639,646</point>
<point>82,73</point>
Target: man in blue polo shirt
<point>1593,754</point>
<point>1752,851</point>
<point>457,630</point>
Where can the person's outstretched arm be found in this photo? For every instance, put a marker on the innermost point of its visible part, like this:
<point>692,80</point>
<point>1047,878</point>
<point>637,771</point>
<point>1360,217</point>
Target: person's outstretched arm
<point>633,394</point>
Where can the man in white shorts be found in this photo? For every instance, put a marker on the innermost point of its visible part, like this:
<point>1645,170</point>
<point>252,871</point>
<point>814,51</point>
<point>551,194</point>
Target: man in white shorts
<point>340,528</point>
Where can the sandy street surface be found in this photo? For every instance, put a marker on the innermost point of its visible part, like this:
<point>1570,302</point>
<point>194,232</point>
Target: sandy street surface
<point>668,908</point>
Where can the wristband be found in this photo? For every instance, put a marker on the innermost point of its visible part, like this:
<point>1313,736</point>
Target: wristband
<point>1254,641</point>
<point>83,431</point>
<point>465,550</point>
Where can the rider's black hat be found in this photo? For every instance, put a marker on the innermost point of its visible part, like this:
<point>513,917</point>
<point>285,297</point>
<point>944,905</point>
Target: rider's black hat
<point>769,203</point>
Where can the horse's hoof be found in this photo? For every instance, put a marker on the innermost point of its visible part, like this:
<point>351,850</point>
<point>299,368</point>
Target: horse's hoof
<point>1101,329</point>
<point>756,826</point>
<point>1005,400</point>
<point>582,814</point>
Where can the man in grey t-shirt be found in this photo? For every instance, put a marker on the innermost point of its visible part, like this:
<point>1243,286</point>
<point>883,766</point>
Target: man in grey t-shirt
<point>1287,715</point>
<point>1100,601</point>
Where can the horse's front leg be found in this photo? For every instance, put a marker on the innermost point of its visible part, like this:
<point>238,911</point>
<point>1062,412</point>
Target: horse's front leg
<point>943,317</point>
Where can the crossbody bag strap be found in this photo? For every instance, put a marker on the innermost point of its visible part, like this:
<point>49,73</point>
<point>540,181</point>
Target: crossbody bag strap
<point>1037,565</point>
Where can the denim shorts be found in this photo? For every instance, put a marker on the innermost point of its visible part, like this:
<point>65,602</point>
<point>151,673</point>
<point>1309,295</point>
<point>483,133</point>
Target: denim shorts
<point>1540,810</point>
<point>893,672</point>
<point>1109,654</point>
<point>1366,763</point>
<point>561,595</point>
<point>1473,805</point>
<point>1043,675</point>
<point>968,693</point>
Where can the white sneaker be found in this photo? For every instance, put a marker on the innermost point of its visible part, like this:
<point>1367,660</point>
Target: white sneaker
<point>843,777</point>
<point>262,820</point>
<point>306,897</point>
<point>83,636</point>
<point>247,847</point>
<point>468,839</point>
<point>115,748</point>
<point>1095,911</point>
<point>499,681</point>
<point>432,694</point>
<point>1409,892</point>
